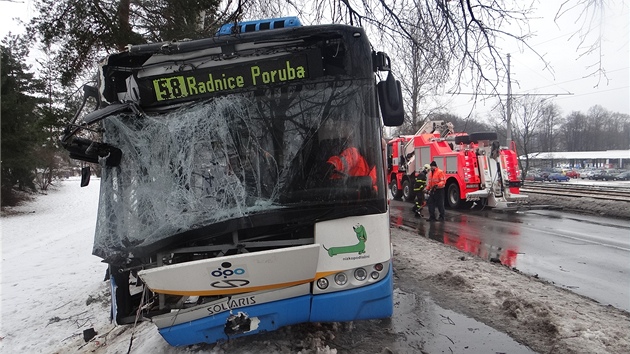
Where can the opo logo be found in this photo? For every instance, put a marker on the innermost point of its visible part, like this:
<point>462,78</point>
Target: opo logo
<point>226,271</point>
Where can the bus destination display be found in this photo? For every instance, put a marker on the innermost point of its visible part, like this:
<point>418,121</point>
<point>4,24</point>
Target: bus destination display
<point>196,83</point>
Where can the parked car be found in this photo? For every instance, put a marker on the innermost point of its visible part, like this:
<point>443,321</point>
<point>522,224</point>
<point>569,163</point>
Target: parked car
<point>557,177</point>
<point>602,175</point>
<point>623,176</point>
<point>534,177</point>
<point>572,174</point>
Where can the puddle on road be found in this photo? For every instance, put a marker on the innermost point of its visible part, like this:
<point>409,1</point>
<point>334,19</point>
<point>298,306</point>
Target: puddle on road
<point>500,249</point>
<point>423,325</point>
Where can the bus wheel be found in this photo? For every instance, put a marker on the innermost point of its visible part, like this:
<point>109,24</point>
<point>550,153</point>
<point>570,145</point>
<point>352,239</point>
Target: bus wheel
<point>452,196</point>
<point>406,191</point>
<point>396,193</point>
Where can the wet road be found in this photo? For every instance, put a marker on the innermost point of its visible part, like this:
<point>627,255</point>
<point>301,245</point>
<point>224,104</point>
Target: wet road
<point>589,255</point>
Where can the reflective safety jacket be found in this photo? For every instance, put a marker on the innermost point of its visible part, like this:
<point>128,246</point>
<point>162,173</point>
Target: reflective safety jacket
<point>420,182</point>
<point>350,162</point>
<point>436,178</point>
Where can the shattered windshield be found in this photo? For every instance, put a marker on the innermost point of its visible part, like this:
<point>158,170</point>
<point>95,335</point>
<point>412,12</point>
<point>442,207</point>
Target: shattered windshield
<point>259,151</point>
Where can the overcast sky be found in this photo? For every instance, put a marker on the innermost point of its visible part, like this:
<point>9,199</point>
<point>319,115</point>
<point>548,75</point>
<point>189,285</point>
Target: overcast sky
<point>571,79</point>
<point>572,76</point>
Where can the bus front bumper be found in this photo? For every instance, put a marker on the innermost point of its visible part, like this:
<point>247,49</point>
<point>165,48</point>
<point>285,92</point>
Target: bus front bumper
<point>368,302</point>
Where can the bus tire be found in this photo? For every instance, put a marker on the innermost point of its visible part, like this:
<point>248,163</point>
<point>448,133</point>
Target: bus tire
<point>475,137</point>
<point>396,193</point>
<point>406,191</point>
<point>452,196</point>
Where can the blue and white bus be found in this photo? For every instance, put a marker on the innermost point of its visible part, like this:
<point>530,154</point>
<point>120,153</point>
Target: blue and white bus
<point>220,214</point>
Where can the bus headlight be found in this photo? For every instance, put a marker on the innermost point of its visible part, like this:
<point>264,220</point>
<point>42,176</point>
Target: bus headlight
<point>374,275</point>
<point>322,283</point>
<point>360,274</point>
<point>341,278</point>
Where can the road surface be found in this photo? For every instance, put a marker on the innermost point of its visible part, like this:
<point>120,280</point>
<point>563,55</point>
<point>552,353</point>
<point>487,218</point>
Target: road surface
<point>587,254</point>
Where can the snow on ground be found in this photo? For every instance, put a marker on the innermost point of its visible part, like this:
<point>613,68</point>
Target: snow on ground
<point>51,284</point>
<point>51,290</point>
<point>48,271</point>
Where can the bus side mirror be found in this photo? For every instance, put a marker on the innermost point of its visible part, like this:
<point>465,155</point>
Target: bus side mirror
<point>92,151</point>
<point>391,101</point>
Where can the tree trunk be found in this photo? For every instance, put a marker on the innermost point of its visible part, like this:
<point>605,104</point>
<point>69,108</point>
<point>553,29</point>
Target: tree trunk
<point>125,27</point>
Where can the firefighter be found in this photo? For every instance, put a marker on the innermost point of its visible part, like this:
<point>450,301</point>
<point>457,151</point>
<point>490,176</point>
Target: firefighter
<point>418,188</point>
<point>435,187</point>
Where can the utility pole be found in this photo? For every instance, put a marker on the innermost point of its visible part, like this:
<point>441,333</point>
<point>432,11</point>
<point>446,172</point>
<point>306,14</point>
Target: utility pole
<point>508,140</point>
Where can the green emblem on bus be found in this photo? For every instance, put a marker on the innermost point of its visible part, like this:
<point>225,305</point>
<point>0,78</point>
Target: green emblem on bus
<point>361,234</point>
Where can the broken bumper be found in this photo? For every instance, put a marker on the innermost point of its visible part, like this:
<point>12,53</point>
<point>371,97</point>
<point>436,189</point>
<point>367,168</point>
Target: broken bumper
<point>374,301</point>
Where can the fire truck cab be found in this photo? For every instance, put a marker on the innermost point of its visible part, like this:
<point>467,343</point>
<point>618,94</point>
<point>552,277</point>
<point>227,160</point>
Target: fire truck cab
<point>399,182</point>
<point>478,170</point>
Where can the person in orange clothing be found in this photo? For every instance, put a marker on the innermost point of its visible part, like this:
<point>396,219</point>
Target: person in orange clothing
<point>351,163</point>
<point>436,181</point>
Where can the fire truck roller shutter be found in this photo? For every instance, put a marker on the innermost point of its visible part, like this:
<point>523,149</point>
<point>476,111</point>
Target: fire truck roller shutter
<point>475,137</point>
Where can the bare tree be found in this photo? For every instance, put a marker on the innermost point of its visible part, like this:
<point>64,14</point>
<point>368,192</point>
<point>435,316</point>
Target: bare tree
<point>619,129</point>
<point>599,129</point>
<point>573,132</point>
<point>528,118</point>
<point>549,127</point>
<point>420,73</point>
<point>443,40</point>
<point>535,126</point>
<point>591,14</point>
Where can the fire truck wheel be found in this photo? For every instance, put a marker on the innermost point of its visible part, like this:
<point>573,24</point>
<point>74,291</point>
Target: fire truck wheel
<point>406,191</point>
<point>452,196</point>
<point>475,137</point>
<point>396,193</point>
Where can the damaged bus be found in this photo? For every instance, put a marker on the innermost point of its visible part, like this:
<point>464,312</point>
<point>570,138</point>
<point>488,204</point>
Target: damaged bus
<point>221,213</point>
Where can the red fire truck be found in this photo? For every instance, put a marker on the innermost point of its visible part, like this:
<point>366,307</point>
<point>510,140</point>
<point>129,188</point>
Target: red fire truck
<point>478,170</point>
